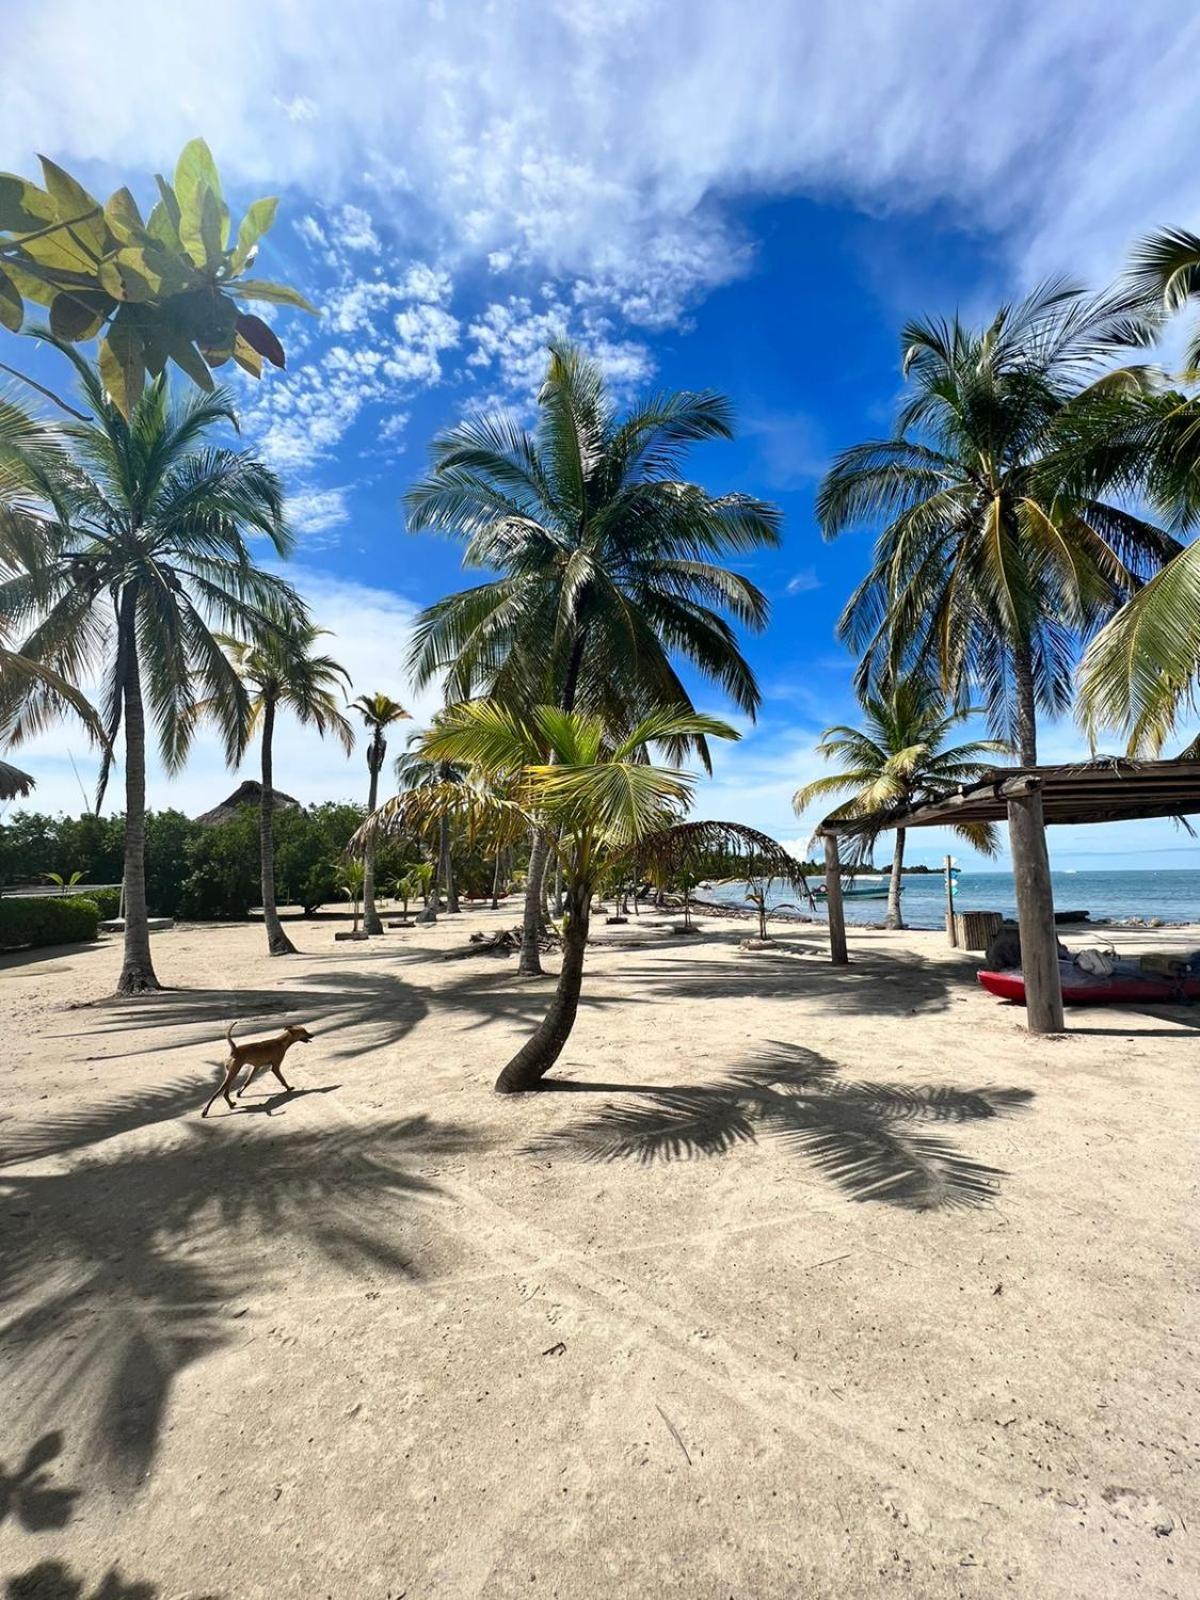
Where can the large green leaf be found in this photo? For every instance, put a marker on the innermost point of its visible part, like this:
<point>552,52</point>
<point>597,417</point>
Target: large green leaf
<point>258,220</point>
<point>78,314</point>
<point>23,206</point>
<point>261,338</point>
<point>121,363</point>
<point>277,294</point>
<point>11,310</point>
<point>123,217</point>
<point>203,214</point>
<point>74,205</point>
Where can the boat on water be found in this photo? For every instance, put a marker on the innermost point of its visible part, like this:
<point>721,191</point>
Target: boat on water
<point>866,891</point>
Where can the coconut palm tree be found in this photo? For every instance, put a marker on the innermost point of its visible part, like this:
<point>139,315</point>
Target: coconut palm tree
<point>594,794</point>
<point>986,567</point>
<point>416,770</point>
<point>280,673</point>
<point>608,561</point>
<point>1142,672</point>
<point>378,711</point>
<point>137,548</point>
<point>898,759</point>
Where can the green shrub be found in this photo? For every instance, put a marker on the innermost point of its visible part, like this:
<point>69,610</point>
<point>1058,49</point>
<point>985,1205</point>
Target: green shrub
<point>46,919</point>
<point>106,901</point>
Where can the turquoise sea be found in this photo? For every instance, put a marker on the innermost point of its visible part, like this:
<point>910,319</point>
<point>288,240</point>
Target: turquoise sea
<point>1174,896</point>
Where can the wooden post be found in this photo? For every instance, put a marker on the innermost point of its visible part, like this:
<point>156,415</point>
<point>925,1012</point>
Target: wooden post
<point>950,927</point>
<point>1035,914</point>
<point>833,902</point>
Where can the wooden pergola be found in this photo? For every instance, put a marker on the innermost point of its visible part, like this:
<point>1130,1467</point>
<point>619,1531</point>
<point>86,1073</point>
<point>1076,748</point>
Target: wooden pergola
<point>1028,798</point>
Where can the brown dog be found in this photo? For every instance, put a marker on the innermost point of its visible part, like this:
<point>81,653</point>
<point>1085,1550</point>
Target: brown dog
<point>257,1053</point>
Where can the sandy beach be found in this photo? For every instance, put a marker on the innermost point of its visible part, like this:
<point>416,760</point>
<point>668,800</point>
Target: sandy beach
<point>393,1337</point>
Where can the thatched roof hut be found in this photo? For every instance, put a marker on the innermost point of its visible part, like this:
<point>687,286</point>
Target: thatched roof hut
<point>13,782</point>
<point>246,794</point>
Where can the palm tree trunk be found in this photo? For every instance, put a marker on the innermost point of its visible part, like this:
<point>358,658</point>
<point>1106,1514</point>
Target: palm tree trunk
<point>446,867</point>
<point>893,919</point>
<point>371,922</point>
<point>278,943</point>
<point>137,967</point>
<point>558,887</point>
<point>530,965</point>
<point>539,1053</point>
<point>1026,729</point>
<point>496,880</point>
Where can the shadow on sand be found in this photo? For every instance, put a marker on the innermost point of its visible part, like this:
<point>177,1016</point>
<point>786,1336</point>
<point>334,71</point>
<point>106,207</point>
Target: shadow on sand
<point>871,1139</point>
<point>138,1258</point>
<point>38,1505</point>
<point>890,983</point>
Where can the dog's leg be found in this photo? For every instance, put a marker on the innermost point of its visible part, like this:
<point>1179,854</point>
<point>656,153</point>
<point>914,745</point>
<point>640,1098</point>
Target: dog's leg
<point>249,1079</point>
<point>276,1067</point>
<point>231,1071</point>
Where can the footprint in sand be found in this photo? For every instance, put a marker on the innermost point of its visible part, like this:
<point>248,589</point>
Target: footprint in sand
<point>1131,1506</point>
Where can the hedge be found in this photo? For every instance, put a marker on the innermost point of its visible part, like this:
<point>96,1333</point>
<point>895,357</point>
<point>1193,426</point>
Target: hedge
<point>46,919</point>
<point>106,901</point>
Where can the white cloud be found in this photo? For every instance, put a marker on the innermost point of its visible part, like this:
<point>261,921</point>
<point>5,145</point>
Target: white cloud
<point>803,581</point>
<point>370,633</point>
<point>1067,129</point>
<point>315,512</point>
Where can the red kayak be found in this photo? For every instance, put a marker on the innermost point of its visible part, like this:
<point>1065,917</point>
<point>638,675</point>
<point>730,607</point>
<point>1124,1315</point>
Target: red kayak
<point>1126,984</point>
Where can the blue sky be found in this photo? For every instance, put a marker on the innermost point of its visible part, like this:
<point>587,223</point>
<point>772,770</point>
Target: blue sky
<point>747,198</point>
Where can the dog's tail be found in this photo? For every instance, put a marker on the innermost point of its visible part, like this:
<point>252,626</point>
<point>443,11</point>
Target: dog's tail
<point>229,1034</point>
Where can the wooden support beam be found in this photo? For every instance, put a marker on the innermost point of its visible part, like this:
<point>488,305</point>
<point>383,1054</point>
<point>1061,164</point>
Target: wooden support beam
<point>1035,913</point>
<point>838,953</point>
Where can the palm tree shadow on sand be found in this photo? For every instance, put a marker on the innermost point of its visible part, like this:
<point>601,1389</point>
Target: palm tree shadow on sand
<point>139,1257</point>
<point>871,1139</point>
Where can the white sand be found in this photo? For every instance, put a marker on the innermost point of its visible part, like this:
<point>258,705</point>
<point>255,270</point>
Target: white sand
<point>368,1347</point>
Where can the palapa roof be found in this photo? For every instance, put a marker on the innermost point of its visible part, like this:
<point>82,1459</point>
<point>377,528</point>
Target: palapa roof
<point>1112,789</point>
<point>248,793</point>
<point>13,782</point>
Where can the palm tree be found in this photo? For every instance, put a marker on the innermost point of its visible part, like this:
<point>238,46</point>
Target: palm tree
<point>1142,672</point>
<point>986,567</point>
<point>592,792</point>
<point>898,759</point>
<point>138,545</point>
<point>608,561</point>
<point>378,711</point>
<point>416,770</point>
<point>280,673</point>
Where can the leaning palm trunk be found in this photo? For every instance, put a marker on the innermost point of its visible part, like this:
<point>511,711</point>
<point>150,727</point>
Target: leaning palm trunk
<point>278,943</point>
<point>535,1058</point>
<point>894,919</point>
<point>137,967</point>
<point>371,922</point>
<point>496,880</point>
<point>530,965</point>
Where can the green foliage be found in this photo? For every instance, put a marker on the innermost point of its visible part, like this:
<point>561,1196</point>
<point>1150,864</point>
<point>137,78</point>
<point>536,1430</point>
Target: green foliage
<point>607,562</point>
<point>225,879</point>
<point>46,920</point>
<point>106,901</point>
<point>992,560</point>
<point>159,289</point>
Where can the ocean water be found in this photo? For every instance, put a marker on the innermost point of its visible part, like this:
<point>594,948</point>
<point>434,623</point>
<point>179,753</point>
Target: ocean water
<point>1172,895</point>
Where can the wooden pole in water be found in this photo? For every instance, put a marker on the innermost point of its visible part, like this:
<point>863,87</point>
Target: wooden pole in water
<point>833,902</point>
<point>950,927</point>
<point>1035,913</point>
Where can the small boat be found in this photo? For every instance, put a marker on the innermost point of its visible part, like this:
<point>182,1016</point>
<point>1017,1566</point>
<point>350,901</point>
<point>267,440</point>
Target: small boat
<point>1127,984</point>
<point>871,891</point>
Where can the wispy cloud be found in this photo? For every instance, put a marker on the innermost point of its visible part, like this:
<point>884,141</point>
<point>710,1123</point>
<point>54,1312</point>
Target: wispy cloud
<point>649,120</point>
<point>803,581</point>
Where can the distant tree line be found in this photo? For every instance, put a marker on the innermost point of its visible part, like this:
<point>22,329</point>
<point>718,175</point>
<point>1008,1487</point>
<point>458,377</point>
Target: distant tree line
<point>211,871</point>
